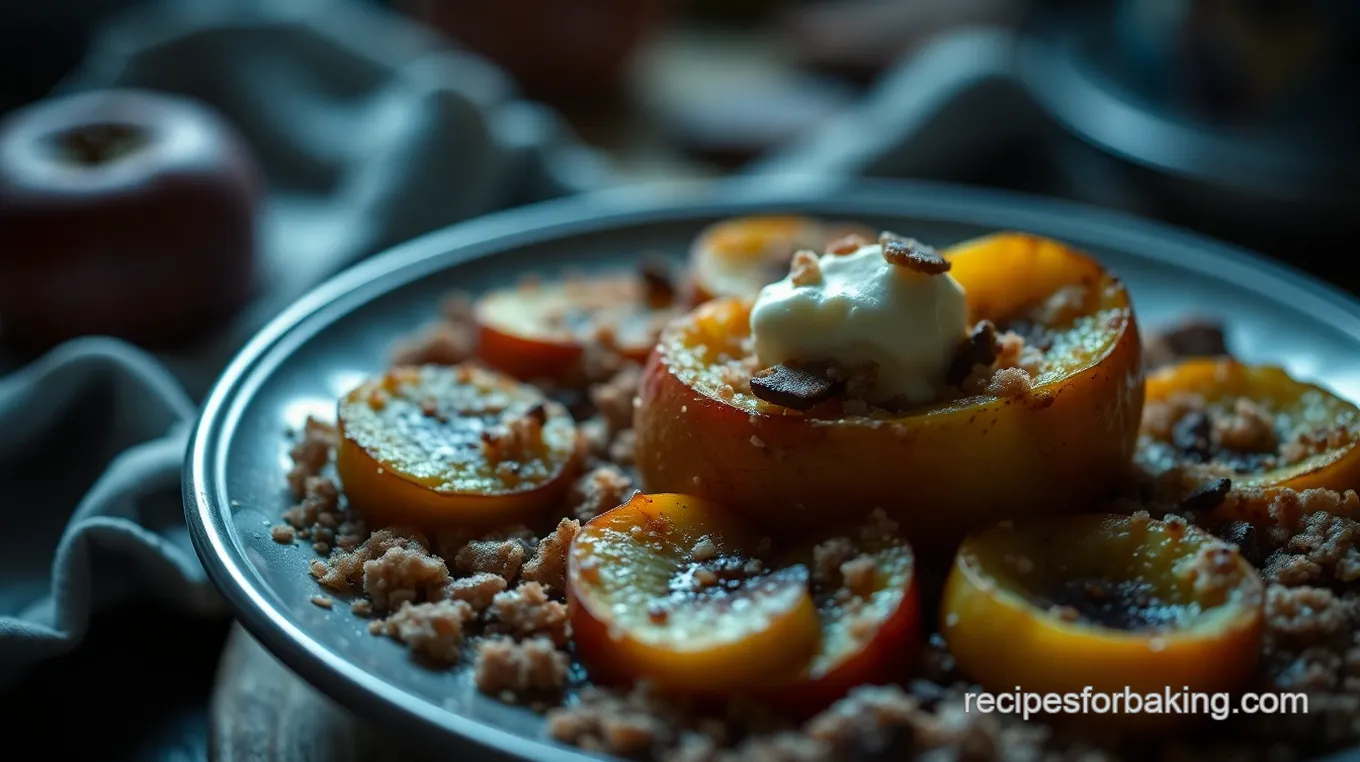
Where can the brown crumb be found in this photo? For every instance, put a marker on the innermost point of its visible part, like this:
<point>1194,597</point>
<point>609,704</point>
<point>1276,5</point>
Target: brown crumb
<point>866,712</point>
<point>445,342</point>
<point>805,270</point>
<point>603,488</point>
<point>310,454</point>
<point>1010,383</point>
<point>912,254</point>
<point>704,550</point>
<point>614,398</point>
<point>322,601</point>
<point>795,386</point>
<point>859,574</point>
<point>500,557</point>
<point>828,557</point>
<point>404,575</point>
<point>361,608</point>
<point>344,570</point>
<point>283,534</point>
<point>1213,570</point>
<point>847,245</point>
<point>477,590</point>
<point>504,665</point>
<point>623,449</point>
<point>433,630</point>
<point>1249,428</point>
<point>527,611</point>
<point>549,563</point>
<point>515,439</point>
<point>321,518</point>
<point>621,723</point>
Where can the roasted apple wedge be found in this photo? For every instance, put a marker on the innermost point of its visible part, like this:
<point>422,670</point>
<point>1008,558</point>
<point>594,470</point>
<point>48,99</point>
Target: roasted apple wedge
<point>671,589</point>
<point>736,257</point>
<point>1209,419</point>
<point>441,445</point>
<point>1103,603</point>
<point>1054,443</point>
<point>540,330</point>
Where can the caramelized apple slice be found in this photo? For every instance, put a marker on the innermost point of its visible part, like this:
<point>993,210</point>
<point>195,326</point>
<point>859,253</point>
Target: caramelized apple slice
<point>739,256</point>
<point>1105,601</point>
<point>540,330</point>
<point>435,445</point>
<point>868,599</point>
<point>668,588</point>
<point>1214,418</point>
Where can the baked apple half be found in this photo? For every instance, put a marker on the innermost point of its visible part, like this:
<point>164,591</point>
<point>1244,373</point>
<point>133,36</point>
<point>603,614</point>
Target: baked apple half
<point>442,445</point>
<point>1102,603</point>
<point>1040,414</point>
<point>737,257</point>
<point>1255,425</point>
<point>540,330</point>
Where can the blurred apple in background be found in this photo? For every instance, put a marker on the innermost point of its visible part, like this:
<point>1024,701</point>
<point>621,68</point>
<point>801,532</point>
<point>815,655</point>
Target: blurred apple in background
<point>562,52</point>
<point>122,213</point>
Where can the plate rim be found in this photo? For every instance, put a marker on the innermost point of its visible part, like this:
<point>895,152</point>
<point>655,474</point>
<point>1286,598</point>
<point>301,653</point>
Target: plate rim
<point>208,517</point>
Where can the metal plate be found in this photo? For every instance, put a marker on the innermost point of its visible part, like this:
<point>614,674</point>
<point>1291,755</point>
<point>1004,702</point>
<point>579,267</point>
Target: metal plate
<point>342,332</point>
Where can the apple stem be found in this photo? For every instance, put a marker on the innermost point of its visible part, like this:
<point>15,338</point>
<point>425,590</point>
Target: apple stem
<point>96,144</point>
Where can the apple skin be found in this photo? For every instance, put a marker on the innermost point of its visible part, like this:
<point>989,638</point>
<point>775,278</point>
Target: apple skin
<point>154,244</point>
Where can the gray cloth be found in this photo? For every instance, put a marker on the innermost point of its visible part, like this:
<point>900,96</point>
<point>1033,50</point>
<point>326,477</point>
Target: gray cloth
<point>369,130</point>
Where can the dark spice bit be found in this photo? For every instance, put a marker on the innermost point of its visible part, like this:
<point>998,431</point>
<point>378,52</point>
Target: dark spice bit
<point>912,254</point>
<point>1243,535</point>
<point>1208,496</point>
<point>1192,435</point>
<point>538,413</point>
<point>1195,338</point>
<point>794,386</point>
<point>978,349</point>
<point>657,283</point>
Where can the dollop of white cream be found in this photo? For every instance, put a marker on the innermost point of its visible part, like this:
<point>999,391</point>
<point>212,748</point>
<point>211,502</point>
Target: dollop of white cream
<point>865,310</point>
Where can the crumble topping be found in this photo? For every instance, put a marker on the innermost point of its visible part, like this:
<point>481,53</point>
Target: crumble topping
<point>912,254</point>
<point>528,611</point>
<point>603,488</point>
<point>805,270</point>
<point>477,590</point>
<point>310,454</point>
<point>500,557</point>
<point>433,630</point>
<point>506,666</point>
<point>549,563</point>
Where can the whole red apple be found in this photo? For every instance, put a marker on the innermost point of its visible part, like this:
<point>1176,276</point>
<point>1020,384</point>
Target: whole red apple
<point>122,213</point>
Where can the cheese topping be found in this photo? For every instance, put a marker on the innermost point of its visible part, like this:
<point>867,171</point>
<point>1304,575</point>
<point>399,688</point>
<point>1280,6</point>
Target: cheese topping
<point>858,309</point>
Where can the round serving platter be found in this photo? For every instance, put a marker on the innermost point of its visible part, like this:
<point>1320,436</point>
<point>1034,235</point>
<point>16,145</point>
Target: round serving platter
<point>343,331</point>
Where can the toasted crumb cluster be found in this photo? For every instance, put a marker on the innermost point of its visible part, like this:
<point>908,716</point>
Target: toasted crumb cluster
<point>516,438</point>
<point>447,341</point>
